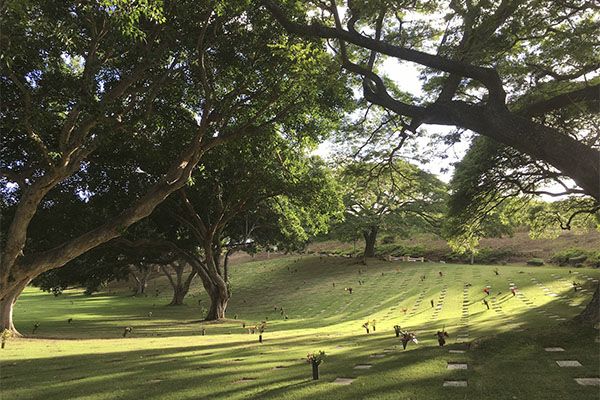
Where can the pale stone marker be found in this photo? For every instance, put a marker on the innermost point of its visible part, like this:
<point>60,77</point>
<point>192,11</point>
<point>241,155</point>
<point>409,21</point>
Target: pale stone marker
<point>455,384</point>
<point>362,366</point>
<point>554,349</point>
<point>569,363</point>
<point>343,381</point>
<point>457,366</point>
<point>588,381</point>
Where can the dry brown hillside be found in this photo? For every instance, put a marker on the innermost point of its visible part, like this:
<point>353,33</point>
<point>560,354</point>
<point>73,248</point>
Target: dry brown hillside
<point>520,245</point>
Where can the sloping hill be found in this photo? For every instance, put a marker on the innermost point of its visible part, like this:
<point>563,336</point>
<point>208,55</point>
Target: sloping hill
<point>166,356</point>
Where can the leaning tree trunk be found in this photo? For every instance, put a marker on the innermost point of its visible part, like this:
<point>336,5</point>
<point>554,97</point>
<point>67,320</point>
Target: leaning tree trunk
<point>591,314</point>
<point>370,238</point>
<point>7,304</point>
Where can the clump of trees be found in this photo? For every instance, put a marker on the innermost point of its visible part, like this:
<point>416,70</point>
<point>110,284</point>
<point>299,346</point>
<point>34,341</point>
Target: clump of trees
<point>520,73</point>
<point>98,96</point>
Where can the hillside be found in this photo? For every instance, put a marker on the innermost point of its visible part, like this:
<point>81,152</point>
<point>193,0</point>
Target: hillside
<point>167,357</point>
<point>518,248</point>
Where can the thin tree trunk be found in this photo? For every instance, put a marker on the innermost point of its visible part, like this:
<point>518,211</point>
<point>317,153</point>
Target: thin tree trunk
<point>226,266</point>
<point>141,281</point>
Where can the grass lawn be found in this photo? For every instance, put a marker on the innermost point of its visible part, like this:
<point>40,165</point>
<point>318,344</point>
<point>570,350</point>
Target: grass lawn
<point>166,357</point>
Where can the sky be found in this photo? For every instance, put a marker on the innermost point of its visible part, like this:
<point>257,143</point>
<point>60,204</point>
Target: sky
<point>406,76</point>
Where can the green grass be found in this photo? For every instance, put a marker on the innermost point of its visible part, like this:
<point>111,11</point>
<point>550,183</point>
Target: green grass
<point>167,358</point>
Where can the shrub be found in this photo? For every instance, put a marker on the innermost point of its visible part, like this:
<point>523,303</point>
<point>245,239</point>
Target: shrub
<point>389,239</point>
<point>535,261</point>
<point>562,257</point>
<point>576,257</point>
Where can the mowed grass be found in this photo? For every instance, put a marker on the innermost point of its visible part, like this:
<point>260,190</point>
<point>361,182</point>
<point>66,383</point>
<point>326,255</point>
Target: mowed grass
<point>166,357</point>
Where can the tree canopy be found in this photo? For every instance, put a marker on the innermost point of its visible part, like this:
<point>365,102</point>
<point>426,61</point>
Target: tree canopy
<point>397,197</point>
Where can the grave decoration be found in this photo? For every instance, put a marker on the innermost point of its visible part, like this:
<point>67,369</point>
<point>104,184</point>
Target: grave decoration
<point>366,326</point>
<point>127,330</point>
<point>408,337</point>
<point>261,329</point>
<point>441,337</point>
<point>315,359</point>
<point>6,334</point>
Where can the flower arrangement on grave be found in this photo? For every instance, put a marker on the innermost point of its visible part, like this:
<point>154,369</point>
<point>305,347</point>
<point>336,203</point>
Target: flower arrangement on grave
<point>366,326</point>
<point>127,330</point>
<point>315,359</point>
<point>261,328</point>
<point>6,334</point>
<point>397,329</point>
<point>373,325</point>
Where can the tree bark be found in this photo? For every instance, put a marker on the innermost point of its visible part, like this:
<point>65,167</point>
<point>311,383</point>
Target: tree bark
<point>591,314</point>
<point>219,297</point>
<point>7,304</point>
<point>370,236</point>
<point>180,287</point>
<point>514,128</point>
<point>141,281</point>
<point>178,296</point>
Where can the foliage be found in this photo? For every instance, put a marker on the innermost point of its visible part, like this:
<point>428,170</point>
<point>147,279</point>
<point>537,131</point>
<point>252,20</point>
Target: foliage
<point>5,336</point>
<point>575,256</point>
<point>397,197</point>
<point>535,261</point>
<point>316,358</point>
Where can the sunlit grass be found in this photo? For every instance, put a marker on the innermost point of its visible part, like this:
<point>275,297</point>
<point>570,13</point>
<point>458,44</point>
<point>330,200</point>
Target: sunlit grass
<point>167,358</point>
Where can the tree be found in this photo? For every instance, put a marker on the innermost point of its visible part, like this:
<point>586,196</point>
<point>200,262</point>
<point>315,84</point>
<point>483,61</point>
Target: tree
<point>514,71</point>
<point>396,197</point>
<point>268,173</point>
<point>494,189</point>
<point>81,78</point>
<point>493,69</point>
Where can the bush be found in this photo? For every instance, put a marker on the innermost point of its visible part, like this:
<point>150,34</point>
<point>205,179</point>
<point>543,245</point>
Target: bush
<point>535,261</point>
<point>562,257</point>
<point>576,257</point>
<point>388,239</point>
<point>485,255</point>
<point>493,256</point>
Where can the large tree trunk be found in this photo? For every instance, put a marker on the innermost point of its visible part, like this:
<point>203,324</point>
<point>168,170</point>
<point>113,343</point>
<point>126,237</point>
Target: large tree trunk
<point>370,239</point>
<point>180,287</point>
<point>7,304</point>
<point>219,297</point>
<point>178,296</point>
<point>591,314</point>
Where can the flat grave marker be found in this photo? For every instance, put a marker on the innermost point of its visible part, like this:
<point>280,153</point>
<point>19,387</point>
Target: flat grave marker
<point>568,363</point>
<point>455,384</point>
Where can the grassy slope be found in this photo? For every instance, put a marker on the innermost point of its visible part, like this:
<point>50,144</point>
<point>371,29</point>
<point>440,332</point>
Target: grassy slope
<point>166,358</point>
